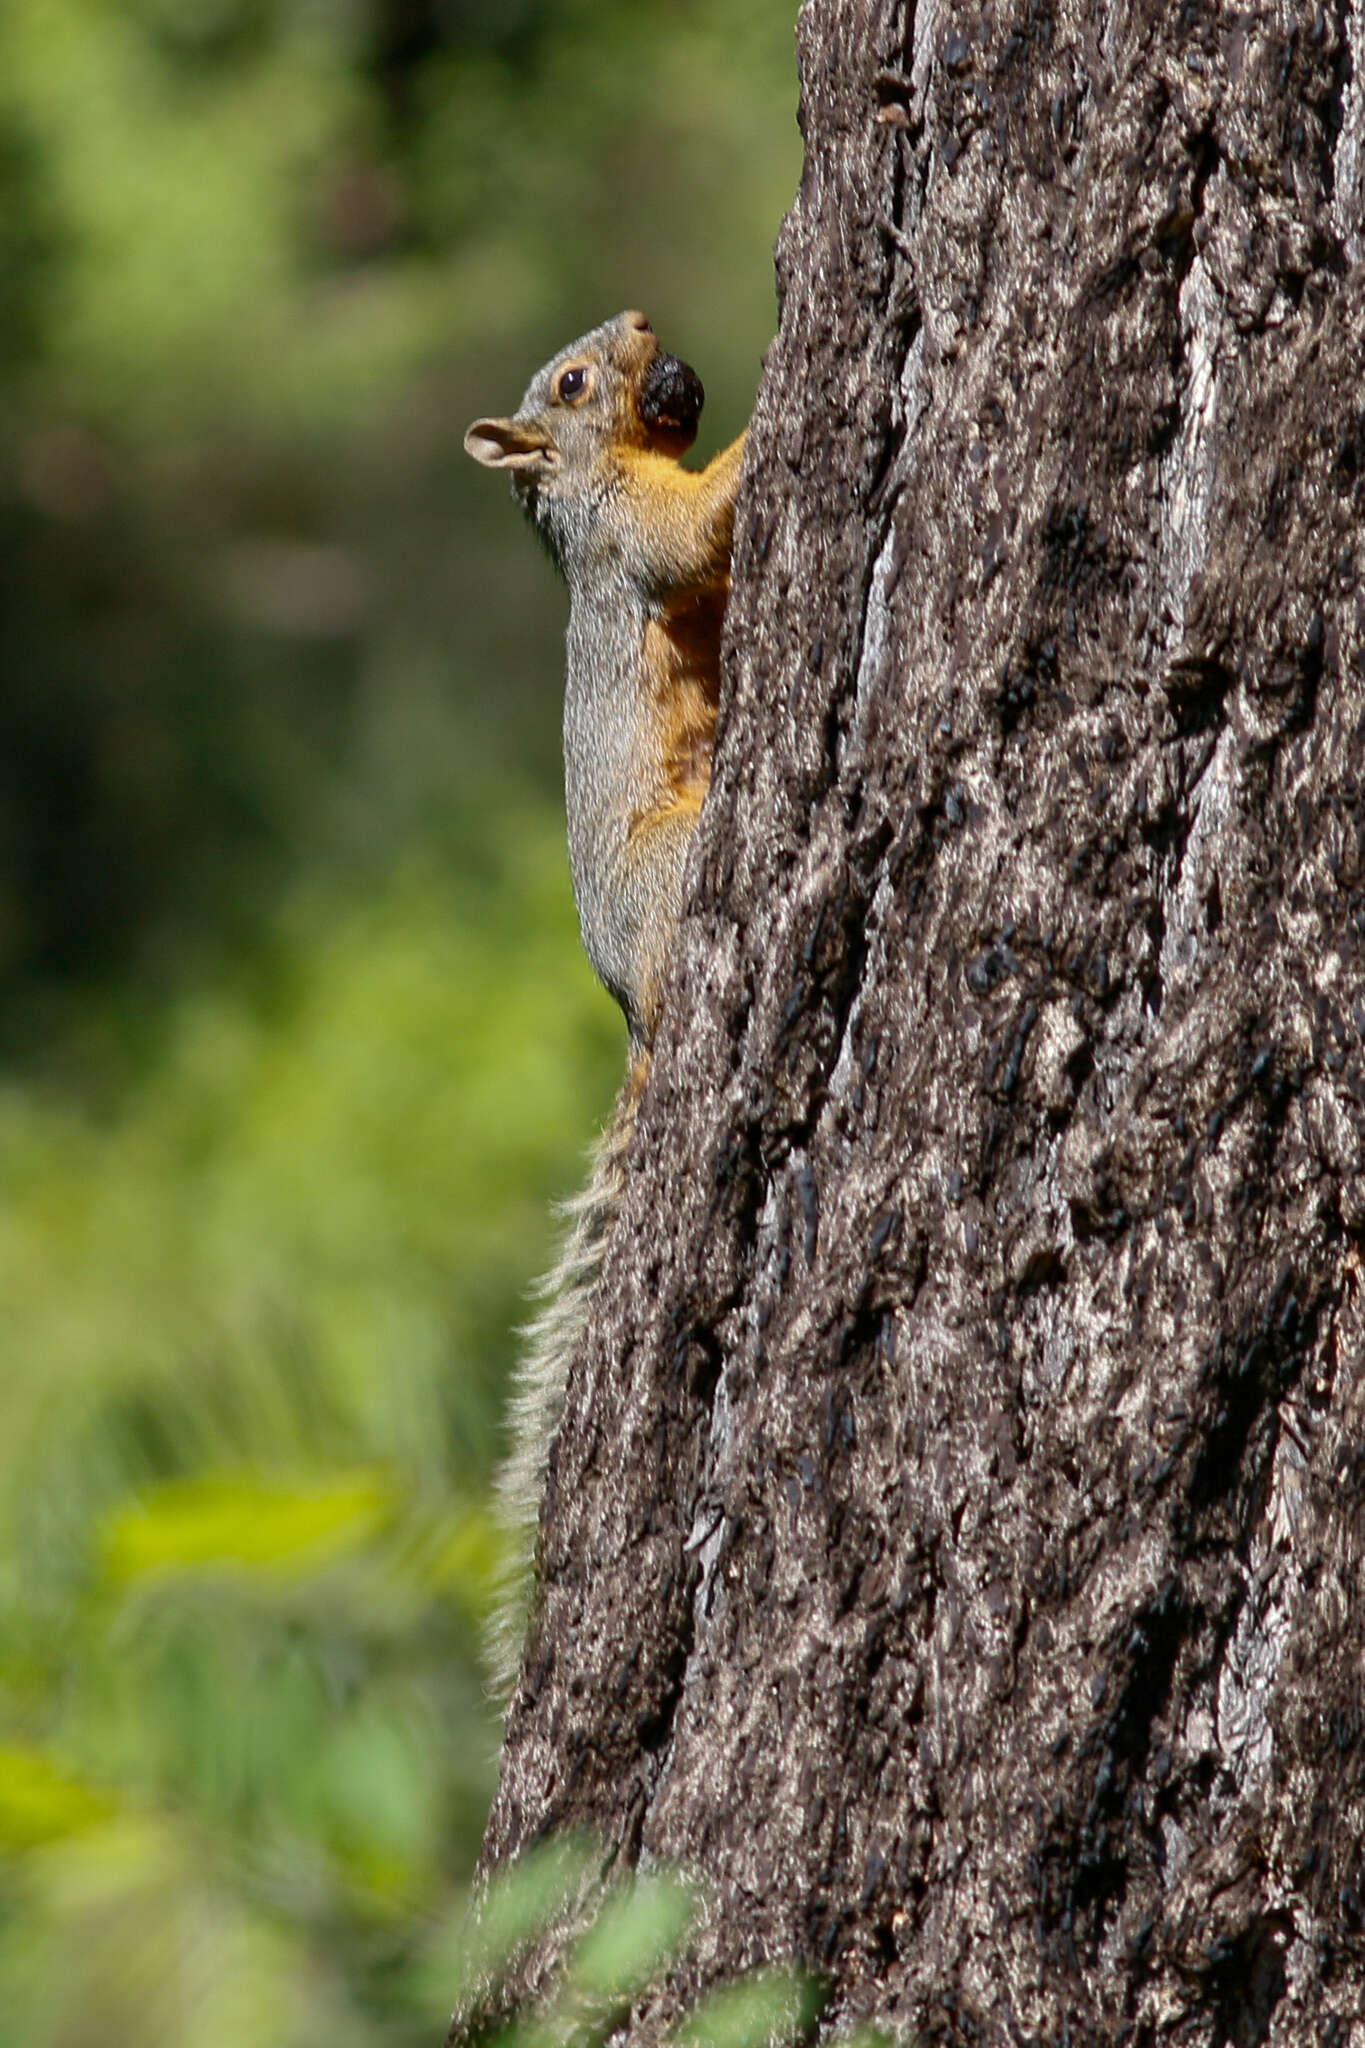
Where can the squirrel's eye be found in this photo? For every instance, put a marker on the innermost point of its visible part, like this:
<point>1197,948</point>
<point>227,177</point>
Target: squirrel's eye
<point>572,384</point>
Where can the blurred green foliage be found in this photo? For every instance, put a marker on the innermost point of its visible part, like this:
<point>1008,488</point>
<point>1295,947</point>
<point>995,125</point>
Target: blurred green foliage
<point>615,1943</point>
<point>297,1040</point>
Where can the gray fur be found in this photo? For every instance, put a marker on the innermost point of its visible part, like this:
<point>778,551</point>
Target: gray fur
<point>562,470</point>
<point>548,1341</point>
<point>610,753</point>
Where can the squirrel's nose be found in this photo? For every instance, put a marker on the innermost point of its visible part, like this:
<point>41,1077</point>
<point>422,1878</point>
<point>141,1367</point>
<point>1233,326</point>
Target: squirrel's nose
<point>637,321</point>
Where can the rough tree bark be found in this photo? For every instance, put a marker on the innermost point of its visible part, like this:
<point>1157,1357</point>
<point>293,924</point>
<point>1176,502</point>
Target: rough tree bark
<point>953,1543</point>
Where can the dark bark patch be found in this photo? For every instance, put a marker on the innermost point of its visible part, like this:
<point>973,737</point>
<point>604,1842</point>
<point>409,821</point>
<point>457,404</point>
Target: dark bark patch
<point>1244,1979</point>
<point>1196,690</point>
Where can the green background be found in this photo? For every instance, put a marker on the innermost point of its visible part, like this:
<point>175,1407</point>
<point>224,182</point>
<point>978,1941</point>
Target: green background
<point>296,1041</point>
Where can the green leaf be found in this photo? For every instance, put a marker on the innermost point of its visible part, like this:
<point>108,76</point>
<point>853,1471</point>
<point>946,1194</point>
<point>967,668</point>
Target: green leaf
<point>518,1905</point>
<point>40,1802</point>
<point>768,2007</point>
<point>243,1524</point>
<point>632,1939</point>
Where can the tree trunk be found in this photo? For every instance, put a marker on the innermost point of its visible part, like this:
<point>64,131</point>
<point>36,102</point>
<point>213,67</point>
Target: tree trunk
<point>952,1547</point>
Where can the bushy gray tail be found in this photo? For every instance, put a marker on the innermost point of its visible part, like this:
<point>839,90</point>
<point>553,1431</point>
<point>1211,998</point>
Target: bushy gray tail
<point>537,1403</point>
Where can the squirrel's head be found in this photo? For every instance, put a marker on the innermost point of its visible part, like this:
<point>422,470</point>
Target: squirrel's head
<point>612,390</point>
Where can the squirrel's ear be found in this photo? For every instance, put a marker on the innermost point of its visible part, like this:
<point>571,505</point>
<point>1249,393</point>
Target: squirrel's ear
<point>506,444</point>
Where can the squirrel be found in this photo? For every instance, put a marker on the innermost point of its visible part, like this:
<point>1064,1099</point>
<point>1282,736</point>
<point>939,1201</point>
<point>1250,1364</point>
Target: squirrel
<point>644,547</point>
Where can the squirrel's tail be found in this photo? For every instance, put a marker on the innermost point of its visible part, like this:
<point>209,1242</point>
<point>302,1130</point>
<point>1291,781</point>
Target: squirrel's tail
<point>548,1343</point>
